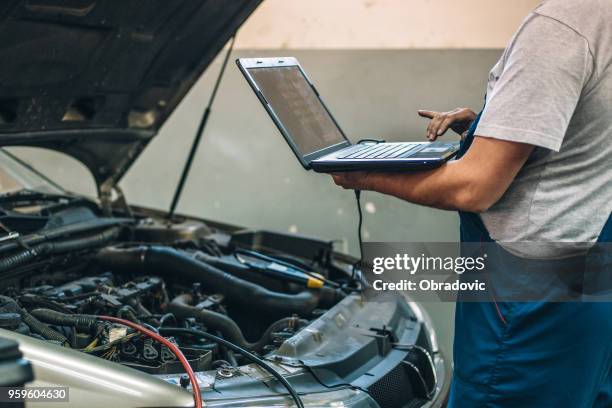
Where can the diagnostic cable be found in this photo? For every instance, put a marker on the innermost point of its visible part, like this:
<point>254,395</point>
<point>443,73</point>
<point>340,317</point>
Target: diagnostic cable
<point>357,265</point>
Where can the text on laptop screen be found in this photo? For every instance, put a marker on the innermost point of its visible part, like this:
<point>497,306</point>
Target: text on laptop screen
<point>298,108</point>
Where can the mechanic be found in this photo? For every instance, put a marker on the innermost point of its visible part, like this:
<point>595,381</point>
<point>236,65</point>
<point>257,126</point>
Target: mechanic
<point>537,168</point>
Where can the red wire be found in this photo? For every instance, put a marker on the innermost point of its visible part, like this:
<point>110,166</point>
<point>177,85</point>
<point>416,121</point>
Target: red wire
<point>173,347</point>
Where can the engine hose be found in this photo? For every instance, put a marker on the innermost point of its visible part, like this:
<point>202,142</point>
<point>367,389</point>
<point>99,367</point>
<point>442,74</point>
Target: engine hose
<point>173,263</point>
<point>328,295</point>
<point>83,323</point>
<point>33,323</point>
<point>181,307</point>
<point>20,258</point>
<point>55,247</point>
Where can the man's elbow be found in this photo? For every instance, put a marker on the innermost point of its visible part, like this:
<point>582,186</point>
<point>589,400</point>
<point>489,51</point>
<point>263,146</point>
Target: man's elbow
<point>475,200</point>
<point>477,207</point>
<point>485,173</point>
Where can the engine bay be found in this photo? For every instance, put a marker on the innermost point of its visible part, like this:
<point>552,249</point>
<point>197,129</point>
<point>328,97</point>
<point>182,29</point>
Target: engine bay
<point>185,302</point>
<point>157,274</point>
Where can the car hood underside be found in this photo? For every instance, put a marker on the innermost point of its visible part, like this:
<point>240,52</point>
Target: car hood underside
<point>96,79</point>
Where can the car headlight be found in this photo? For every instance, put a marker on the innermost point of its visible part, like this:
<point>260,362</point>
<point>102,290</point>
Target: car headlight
<point>344,398</point>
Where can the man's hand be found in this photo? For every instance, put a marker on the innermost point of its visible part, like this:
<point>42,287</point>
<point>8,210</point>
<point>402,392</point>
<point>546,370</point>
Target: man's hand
<point>352,180</point>
<point>458,120</point>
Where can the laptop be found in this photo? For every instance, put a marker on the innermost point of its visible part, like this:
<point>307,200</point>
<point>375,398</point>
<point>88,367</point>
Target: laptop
<point>313,134</point>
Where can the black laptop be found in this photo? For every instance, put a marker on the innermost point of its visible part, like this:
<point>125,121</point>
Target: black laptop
<point>314,135</point>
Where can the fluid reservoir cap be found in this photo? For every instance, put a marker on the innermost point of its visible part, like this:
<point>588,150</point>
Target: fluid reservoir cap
<point>10,320</point>
<point>185,381</point>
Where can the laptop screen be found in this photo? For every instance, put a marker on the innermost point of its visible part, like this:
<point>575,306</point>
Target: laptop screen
<point>297,107</point>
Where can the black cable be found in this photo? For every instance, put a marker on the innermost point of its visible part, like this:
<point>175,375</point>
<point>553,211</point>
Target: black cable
<point>249,356</point>
<point>357,264</point>
<point>200,132</point>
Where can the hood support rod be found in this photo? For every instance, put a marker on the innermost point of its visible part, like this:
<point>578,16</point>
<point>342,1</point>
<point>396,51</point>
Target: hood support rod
<point>200,132</point>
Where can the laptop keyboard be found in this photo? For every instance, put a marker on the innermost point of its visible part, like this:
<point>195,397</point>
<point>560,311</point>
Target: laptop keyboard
<point>383,151</point>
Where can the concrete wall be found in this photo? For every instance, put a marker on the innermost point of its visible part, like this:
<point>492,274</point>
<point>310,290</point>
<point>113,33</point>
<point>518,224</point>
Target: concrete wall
<point>397,24</point>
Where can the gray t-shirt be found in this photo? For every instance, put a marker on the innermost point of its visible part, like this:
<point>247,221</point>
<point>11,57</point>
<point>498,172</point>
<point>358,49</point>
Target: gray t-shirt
<point>552,88</point>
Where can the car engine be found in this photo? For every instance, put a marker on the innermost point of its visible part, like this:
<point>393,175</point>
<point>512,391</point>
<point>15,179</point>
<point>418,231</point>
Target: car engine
<point>92,296</point>
<point>57,288</point>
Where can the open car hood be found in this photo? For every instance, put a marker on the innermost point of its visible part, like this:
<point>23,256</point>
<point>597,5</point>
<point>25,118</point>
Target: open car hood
<point>96,79</point>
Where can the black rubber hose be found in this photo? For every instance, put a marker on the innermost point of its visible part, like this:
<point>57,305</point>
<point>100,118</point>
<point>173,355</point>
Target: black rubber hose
<point>56,247</point>
<point>39,327</point>
<point>83,323</point>
<point>19,258</point>
<point>90,241</point>
<point>328,295</point>
<point>7,303</point>
<point>181,307</point>
<point>172,263</point>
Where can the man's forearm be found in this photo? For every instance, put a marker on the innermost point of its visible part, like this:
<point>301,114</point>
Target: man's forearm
<point>474,183</point>
<point>447,188</point>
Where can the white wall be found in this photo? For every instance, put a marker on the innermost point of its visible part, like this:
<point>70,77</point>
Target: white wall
<point>341,24</point>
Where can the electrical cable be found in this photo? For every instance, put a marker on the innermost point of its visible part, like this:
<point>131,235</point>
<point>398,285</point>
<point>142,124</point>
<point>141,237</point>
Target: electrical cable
<point>195,387</point>
<point>246,354</point>
<point>109,345</point>
<point>357,264</point>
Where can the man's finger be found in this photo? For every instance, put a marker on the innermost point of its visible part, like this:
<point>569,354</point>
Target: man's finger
<point>431,131</point>
<point>428,130</point>
<point>435,125</point>
<point>444,126</point>
<point>342,180</point>
<point>427,114</point>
